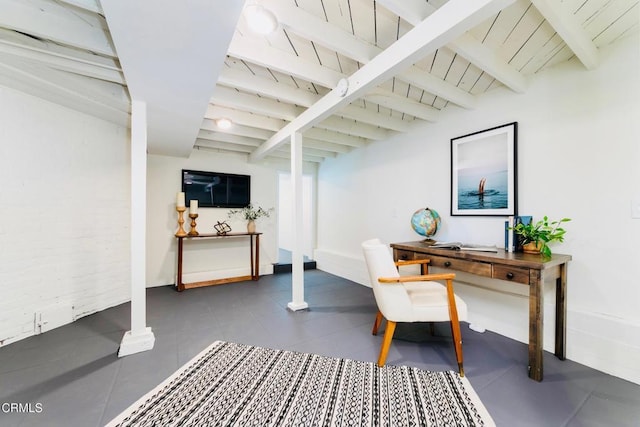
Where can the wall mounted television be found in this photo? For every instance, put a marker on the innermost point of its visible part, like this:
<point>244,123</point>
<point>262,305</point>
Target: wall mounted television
<point>215,189</point>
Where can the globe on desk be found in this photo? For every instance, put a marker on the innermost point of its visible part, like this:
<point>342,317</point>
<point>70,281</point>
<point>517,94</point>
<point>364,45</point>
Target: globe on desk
<point>426,222</point>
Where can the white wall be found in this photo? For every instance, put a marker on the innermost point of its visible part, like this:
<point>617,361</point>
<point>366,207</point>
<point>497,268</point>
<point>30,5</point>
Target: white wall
<point>205,259</point>
<point>578,156</point>
<point>64,214</point>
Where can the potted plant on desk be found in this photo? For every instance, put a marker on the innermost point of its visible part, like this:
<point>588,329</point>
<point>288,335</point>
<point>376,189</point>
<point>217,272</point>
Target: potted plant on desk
<point>251,214</point>
<point>537,236</point>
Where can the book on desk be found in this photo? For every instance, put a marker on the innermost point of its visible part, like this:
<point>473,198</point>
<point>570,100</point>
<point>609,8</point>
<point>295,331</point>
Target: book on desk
<point>459,246</point>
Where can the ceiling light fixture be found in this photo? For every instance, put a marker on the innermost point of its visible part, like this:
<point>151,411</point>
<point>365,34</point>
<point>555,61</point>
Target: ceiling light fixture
<point>223,123</point>
<point>260,20</point>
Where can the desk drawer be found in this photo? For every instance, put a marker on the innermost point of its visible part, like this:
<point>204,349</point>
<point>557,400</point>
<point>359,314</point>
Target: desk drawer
<point>474,267</point>
<point>402,255</point>
<point>511,274</point>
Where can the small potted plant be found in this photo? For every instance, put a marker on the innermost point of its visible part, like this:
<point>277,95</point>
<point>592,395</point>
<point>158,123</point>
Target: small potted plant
<point>537,236</point>
<point>251,214</point>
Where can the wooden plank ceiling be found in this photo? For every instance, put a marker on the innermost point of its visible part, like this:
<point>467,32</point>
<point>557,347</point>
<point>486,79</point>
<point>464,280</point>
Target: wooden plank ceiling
<point>62,50</point>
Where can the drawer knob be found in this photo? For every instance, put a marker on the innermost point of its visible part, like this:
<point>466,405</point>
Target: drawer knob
<point>404,257</point>
<point>509,276</point>
<point>447,264</point>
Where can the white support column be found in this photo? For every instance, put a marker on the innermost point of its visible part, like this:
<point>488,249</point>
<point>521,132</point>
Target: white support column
<point>297,257</point>
<point>139,338</point>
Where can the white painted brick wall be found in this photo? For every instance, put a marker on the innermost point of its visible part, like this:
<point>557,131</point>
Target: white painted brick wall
<point>64,212</point>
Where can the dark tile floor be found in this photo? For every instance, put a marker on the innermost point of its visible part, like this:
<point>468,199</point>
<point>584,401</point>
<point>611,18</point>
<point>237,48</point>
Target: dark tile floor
<point>71,376</point>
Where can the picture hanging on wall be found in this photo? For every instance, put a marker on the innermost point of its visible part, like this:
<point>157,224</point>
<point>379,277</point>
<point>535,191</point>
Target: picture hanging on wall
<point>483,172</point>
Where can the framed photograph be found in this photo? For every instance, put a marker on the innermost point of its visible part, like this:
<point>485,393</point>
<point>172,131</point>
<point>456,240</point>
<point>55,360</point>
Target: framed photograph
<point>483,172</point>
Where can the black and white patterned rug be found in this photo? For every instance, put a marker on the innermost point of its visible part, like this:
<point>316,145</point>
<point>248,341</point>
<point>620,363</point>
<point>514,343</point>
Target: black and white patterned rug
<point>239,385</point>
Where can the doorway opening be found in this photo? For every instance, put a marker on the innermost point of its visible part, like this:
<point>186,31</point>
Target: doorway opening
<point>286,221</point>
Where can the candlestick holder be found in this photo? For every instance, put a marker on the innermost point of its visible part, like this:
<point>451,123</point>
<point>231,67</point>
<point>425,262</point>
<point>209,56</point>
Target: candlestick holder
<point>193,231</point>
<point>181,232</point>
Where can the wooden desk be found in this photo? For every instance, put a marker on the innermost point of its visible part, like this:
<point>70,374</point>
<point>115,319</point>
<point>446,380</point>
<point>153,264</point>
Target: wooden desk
<point>523,269</point>
<point>254,259</point>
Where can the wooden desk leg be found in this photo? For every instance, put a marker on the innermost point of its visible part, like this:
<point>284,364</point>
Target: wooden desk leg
<point>561,313</point>
<point>536,322</point>
<point>179,283</point>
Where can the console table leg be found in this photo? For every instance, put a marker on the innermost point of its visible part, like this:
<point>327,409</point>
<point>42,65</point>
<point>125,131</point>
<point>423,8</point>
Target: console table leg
<point>536,322</point>
<point>257,272</point>
<point>561,313</point>
<point>179,283</point>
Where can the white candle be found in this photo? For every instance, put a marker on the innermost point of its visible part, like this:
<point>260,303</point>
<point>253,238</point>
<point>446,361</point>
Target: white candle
<point>193,206</point>
<point>180,200</point>
<point>510,242</point>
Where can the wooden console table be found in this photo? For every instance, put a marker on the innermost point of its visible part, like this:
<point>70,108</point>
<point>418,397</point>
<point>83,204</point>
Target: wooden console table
<point>254,257</point>
<point>524,269</point>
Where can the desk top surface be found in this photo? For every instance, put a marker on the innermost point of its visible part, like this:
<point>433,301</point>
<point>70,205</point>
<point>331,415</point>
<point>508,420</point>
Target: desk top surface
<point>518,259</point>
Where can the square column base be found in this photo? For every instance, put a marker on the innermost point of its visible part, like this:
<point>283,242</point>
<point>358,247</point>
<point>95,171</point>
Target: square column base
<point>297,306</point>
<point>137,343</point>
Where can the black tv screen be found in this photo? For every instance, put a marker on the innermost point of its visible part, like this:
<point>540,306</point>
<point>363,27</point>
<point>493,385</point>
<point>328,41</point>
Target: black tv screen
<point>216,190</point>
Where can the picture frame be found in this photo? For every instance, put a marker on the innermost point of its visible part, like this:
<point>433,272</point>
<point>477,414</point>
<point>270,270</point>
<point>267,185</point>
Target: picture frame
<point>484,172</point>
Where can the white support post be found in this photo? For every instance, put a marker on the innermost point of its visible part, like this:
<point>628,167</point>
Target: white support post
<point>140,337</point>
<point>297,257</point>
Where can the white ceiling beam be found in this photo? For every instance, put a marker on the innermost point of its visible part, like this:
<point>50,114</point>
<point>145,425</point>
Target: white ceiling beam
<point>271,125</point>
<point>285,153</point>
<point>244,118</point>
<point>49,20</point>
<point>88,5</point>
<point>336,138</point>
<point>568,27</point>
<point>467,46</point>
<point>248,82</point>
<point>319,153</point>
<point>208,143</point>
<point>63,62</point>
<point>269,57</point>
<point>352,127</point>
<point>221,147</point>
<point>263,134</point>
<point>327,146</point>
<point>218,146</point>
<point>238,129</point>
<point>447,23</point>
<point>329,35</point>
<point>488,60</point>
<point>269,107</point>
<point>273,89</point>
<point>368,116</point>
<point>266,106</point>
<point>278,60</point>
<point>335,38</point>
<point>422,79</point>
<point>231,139</point>
<point>405,105</point>
<point>106,101</point>
<point>288,63</point>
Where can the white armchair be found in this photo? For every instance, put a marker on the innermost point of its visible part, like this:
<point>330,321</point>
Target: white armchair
<point>411,298</point>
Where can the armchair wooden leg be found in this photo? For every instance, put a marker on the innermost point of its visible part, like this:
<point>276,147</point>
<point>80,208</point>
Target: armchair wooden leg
<point>386,342</point>
<point>377,322</point>
<point>457,343</point>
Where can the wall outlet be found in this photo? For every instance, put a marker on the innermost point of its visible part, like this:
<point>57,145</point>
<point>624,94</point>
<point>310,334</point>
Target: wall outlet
<point>52,317</point>
<point>635,208</point>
